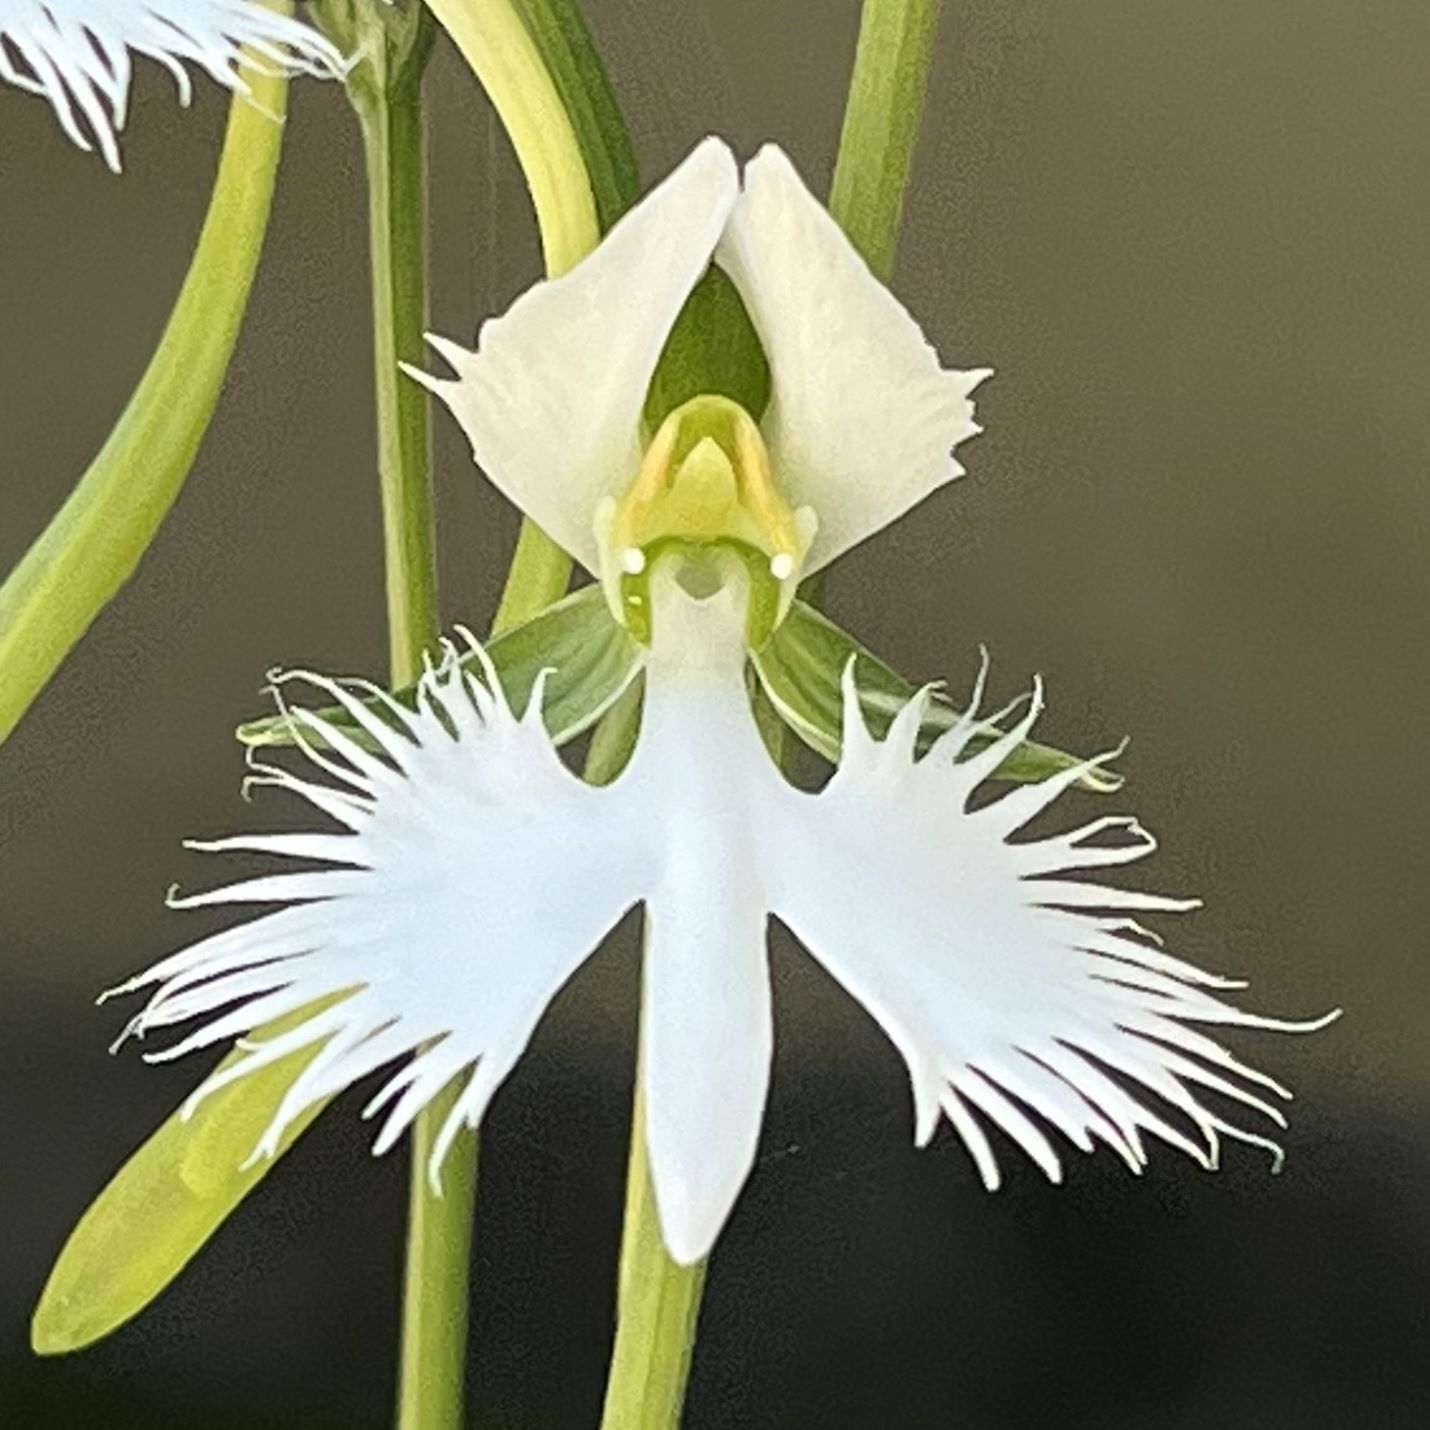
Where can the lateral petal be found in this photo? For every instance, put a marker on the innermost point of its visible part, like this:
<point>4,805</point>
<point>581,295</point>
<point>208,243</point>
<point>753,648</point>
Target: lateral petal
<point>863,418</point>
<point>551,399</point>
<point>76,53</point>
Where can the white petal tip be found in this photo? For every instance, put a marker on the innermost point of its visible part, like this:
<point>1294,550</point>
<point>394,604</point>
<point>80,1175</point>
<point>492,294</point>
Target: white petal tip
<point>713,153</point>
<point>689,1224</point>
<point>685,1246</point>
<point>925,1125</point>
<point>770,156</point>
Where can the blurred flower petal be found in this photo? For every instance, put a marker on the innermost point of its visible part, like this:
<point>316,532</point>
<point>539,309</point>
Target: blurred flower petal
<point>76,53</point>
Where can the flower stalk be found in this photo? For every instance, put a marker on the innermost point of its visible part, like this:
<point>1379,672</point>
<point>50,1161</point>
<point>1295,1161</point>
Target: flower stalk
<point>658,1305</point>
<point>385,91</point>
<point>881,124</point>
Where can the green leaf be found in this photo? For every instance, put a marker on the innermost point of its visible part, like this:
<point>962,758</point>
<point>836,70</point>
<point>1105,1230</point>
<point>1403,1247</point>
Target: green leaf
<point>165,1203</point>
<point>591,660</point>
<point>801,667</point>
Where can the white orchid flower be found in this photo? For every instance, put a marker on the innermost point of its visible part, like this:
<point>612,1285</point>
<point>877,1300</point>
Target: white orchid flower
<point>471,873</point>
<point>76,53</point>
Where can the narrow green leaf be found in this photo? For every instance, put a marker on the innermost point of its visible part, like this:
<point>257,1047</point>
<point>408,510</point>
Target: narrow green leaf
<point>566,47</point>
<point>164,1204</point>
<point>713,346</point>
<point>801,667</point>
<point>591,660</point>
<point>96,539</point>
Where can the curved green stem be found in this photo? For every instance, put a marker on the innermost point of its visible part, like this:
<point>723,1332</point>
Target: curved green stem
<point>502,54</point>
<point>96,539</point>
<point>506,61</point>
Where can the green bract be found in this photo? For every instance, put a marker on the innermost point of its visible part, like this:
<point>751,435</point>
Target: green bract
<point>162,1206</point>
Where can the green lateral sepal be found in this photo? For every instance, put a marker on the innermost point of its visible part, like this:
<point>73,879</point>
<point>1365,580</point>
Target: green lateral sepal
<point>801,666</point>
<point>590,657</point>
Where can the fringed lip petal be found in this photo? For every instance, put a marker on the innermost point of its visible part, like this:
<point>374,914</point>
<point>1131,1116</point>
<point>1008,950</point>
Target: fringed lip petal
<point>472,873</point>
<point>76,53</point>
<point>483,875</point>
<point>1013,984</point>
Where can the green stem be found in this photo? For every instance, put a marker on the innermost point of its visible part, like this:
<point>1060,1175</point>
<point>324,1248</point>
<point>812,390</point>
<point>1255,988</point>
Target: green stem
<point>539,573</point>
<point>876,145</point>
<point>881,124</point>
<point>386,93</point>
<point>658,1306</point>
<point>394,153</point>
<point>96,539</point>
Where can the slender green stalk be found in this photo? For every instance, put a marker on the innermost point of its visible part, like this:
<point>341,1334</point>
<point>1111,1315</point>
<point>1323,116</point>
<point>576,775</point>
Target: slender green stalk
<point>539,573</point>
<point>876,144</point>
<point>96,539</point>
<point>658,1307</point>
<point>659,1300</point>
<point>502,54</point>
<point>881,124</point>
<point>391,121</point>
<point>386,93</point>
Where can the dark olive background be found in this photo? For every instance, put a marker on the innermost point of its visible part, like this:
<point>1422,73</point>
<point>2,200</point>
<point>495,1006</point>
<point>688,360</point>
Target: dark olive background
<point>1191,239</point>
